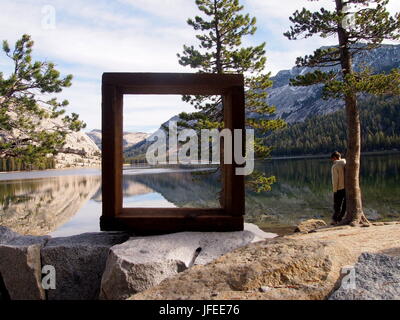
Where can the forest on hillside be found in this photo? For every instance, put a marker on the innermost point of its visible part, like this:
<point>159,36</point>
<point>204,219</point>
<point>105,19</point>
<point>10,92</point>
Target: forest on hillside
<point>380,126</point>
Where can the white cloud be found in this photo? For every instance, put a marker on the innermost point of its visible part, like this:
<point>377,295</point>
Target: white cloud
<point>88,49</point>
<point>124,49</point>
<point>282,10</point>
<point>273,21</point>
<point>95,36</point>
<point>163,107</point>
<point>168,9</point>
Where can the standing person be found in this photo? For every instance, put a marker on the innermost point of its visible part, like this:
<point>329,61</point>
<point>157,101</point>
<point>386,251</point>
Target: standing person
<point>339,193</point>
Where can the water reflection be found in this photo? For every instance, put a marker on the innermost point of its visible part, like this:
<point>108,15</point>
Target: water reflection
<point>40,206</point>
<point>70,204</point>
<point>64,205</point>
<point>304,190</point>
<point>184,189</point>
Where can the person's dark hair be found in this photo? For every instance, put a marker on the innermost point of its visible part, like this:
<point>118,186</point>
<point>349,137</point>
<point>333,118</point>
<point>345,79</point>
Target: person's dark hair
<point>336,155</point>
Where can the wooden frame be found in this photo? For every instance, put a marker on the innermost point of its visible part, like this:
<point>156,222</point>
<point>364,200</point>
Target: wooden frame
<point>162,220</point>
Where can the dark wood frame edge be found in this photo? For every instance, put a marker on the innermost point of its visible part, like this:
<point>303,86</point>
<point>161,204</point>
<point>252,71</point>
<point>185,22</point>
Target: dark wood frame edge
<point>163,220</point>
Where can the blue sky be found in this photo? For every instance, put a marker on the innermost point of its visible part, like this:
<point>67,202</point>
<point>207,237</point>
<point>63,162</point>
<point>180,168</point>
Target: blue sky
<point>90,37</point>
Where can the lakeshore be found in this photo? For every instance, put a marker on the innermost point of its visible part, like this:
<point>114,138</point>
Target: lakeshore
<point>68,201</point>
<point>327,156</point>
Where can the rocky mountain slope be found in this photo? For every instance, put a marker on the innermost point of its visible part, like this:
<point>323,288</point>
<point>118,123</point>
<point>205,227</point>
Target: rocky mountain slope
<point>78,151</point>
<point>380,130</point>
<point>138,150</point>
<point>129,138</point>
<point>296,104</point>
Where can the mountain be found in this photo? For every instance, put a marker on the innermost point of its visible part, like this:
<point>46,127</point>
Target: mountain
<point>95,136</point>
<point>380,130</point>
<point>78,151</point>
<point>139,149</point>
<point>129,138</point>
<point>295,104</point>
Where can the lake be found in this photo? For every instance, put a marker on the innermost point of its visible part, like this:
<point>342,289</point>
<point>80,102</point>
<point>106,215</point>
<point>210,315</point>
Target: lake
<point>67,202</point>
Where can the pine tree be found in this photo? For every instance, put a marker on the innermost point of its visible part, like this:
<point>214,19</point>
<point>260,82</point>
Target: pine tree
<point>221,29</point>
<point>23,107</point>
<point>360,26</point>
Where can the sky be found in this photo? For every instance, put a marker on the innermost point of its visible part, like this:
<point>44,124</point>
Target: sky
<point>88,37</point>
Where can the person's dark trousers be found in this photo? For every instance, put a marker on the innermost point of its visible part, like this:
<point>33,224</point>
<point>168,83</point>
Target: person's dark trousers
<point>339,205</point>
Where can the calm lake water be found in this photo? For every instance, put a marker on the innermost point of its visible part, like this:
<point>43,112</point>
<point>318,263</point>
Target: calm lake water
<point>67,202</point>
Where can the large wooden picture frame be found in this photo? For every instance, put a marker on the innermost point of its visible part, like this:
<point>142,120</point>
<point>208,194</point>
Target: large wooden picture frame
<point>229,217</point>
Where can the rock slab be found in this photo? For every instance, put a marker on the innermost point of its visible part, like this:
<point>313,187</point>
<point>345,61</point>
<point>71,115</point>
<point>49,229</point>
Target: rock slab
<point>275,269</point>
<point>377,277</point>
<point>79,262</point>
<point>20,265</point>
<point>310,225</point>
<point>142,263</point>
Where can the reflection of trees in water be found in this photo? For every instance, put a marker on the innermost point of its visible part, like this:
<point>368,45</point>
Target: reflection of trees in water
<point>311,173</point>
<point>303,189</point>
<point>380,185</point>
<point>40,206</point>
<point>301,192</point>
<point>379,171</point>
<point>382,171</point>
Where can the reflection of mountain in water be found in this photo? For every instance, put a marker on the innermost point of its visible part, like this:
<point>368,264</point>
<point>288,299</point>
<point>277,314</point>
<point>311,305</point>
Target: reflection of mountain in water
<point>184,189</point>
<point>130,188</point>
<point>40,206</point>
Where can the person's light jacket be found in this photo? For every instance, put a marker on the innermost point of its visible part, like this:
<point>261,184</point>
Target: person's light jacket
<point>338,168</point>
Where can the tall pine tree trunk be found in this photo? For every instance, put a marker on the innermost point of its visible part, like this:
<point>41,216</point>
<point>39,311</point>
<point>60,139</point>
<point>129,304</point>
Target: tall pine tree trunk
<point>219,70</point>
<point>355,214</point>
